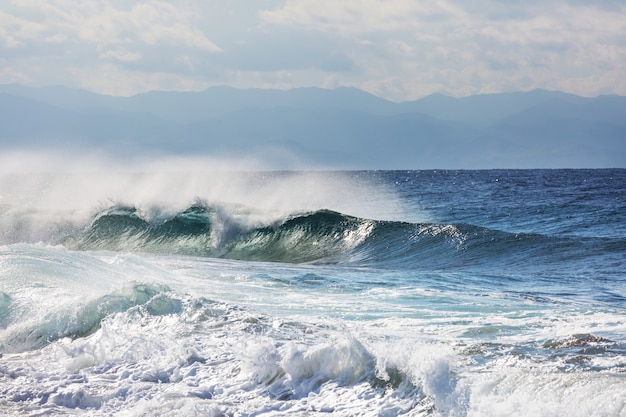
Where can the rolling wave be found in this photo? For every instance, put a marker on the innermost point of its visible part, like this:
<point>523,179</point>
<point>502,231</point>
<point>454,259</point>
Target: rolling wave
<point>323,237</point>
<point>77,321</point>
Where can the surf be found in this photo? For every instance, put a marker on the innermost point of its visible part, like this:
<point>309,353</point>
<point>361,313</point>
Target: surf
<point>385,293</point>
<point>320,236</point>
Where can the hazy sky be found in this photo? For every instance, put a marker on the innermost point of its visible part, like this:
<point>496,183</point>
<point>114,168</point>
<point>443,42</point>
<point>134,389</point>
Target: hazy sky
<point>398,49</point>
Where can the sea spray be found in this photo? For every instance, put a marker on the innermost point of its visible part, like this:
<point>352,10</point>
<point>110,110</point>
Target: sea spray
<point>447,293</point>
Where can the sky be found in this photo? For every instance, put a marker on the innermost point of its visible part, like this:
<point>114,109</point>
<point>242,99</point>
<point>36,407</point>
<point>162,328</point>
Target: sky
<point>396,49</point>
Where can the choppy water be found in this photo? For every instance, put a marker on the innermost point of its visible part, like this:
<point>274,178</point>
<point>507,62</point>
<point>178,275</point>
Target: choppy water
<point>420,293</point>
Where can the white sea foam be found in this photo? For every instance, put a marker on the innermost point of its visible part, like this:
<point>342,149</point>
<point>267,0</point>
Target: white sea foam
<point>171,338</point>
<point>102,333</point>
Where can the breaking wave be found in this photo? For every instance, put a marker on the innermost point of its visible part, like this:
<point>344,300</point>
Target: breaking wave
<point>322,236</point>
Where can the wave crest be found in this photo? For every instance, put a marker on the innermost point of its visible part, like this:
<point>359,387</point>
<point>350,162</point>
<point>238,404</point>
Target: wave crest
<point>321,236</point>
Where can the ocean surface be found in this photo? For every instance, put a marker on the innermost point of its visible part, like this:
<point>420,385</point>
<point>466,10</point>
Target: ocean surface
<point>356,293</point>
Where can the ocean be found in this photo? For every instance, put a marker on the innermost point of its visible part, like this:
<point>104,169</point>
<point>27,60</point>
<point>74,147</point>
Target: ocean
<point>310,293</point>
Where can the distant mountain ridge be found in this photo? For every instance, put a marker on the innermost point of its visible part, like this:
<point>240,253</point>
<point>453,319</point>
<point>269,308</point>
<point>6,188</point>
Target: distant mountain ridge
<point>340,128</point>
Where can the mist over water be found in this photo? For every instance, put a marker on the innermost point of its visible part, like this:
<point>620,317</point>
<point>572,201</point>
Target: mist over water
<point>65,192</point>
<point>201,287</point>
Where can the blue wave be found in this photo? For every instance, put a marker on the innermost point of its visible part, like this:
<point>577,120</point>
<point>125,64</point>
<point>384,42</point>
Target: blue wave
<point>326,237</point>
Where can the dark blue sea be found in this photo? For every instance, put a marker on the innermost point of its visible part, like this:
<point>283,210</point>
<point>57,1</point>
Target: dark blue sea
<point>347,293</point>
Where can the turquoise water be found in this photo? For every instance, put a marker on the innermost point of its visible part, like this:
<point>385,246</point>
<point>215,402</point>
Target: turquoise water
<point>453,293</point>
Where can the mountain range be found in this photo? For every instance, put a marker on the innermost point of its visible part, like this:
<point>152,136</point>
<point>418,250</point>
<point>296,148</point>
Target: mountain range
<point>317,128</point>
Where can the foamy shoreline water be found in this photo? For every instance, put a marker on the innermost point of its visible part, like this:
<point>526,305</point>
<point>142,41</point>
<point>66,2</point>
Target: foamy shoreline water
<point>509,307</point>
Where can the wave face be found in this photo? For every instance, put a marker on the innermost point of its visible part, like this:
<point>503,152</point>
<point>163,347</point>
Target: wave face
<point>123,229</point>
<point>326,237</point>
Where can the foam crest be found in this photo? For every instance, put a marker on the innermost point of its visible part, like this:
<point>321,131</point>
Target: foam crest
<point>431,367</point>
<point>344,362</point>
<point>70,186</point>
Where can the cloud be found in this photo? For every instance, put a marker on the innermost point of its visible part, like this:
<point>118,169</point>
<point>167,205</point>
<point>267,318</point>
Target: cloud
<point>472,47</point>
<point>400,49</point>
<point>104,23</point>
<point>90,35</point>
<point>121,55</point>
<point>119,32</point>
<point>359,16</point>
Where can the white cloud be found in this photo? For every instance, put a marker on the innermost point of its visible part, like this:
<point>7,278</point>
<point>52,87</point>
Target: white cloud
<point>121,55</point>
<point>14,29</point>
<point>464,48</point>
<point>360,16</point>
<point>75,40</point>
<point>103,23</point>
<point>401,49</point>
